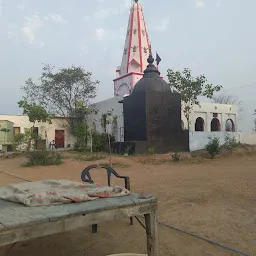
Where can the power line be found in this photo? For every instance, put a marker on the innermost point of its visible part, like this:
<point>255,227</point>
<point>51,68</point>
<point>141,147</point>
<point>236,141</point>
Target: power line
<point>241,87</point>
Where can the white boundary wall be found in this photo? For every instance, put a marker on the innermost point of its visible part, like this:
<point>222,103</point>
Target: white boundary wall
<point>198,140</point>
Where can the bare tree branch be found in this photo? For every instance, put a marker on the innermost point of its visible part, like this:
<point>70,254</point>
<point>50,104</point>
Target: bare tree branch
<point>230,99</point>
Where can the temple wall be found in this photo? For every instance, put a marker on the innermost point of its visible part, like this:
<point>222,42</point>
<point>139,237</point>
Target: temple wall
<point>198,140</point>
<point>103,107</point>
<point>207,111</point>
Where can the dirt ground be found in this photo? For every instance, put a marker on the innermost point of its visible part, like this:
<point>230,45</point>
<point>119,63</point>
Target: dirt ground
<point>215,199</point>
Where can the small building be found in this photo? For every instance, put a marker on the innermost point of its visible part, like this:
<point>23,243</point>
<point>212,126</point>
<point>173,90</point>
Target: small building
<point>212,117</point>
<point>6,134</point>
<point>58,131</point>
<point>152,115</point>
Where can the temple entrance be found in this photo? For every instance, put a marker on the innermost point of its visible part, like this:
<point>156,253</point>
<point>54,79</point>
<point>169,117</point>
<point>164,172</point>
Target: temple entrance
<point>199,124</point>
<point>215,125</point>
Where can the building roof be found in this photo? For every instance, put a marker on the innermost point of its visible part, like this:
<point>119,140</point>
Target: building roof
<point>151,80</point>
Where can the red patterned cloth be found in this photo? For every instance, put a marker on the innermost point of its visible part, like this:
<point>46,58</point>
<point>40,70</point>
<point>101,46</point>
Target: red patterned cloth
<point>49,192</point>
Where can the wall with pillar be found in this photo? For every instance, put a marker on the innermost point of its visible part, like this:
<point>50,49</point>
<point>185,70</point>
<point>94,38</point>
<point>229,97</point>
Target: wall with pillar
<point>209,111</point>
<point>206,111</point>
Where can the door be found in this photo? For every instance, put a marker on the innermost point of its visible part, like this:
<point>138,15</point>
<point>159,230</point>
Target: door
<point>59,138</point>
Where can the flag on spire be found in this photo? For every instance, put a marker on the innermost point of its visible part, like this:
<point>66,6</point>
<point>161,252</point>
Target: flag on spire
<point>158,59</point>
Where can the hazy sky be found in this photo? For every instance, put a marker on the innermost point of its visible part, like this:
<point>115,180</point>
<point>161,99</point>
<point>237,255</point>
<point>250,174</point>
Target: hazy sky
<point>212,37</point>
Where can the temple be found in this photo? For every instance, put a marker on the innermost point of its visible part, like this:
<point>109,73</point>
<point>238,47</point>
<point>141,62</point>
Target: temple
<point>135,53</point>
<point>143,119</point>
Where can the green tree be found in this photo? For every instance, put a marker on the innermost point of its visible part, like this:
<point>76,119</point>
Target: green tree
<point>190,88</point>
<point>65,92</point>
<point>35,113</point>
<point>106,119</point>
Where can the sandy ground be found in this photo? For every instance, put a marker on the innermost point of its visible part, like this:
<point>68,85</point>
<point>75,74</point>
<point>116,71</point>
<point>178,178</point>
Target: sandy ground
<point>215,199</point>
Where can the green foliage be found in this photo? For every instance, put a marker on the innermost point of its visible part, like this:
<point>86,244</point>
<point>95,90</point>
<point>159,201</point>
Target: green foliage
<point>90,157</point>
<point>18,140</point>
<point>151,151</point>
<point>78,147</point>
<point>65,92</point>
<point>62,91</point>
<point>213,147</point>
<point>127,149</point>
<point>35,112</point>
<point>106,119</point>
<point>175,157</point>
<point>4,130</point>
<point>43,158</point>
<point>80,131</point>
<point>230,142</point>
<point>25,139</point>
<point>117,165</point>
<point>100,142</point>
<point>190,88</point>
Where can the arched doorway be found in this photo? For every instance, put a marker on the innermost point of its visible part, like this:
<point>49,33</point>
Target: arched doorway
<point>199,124</point>
<point>230,126</point>
<point>115,129</point>
<point>215,125</point>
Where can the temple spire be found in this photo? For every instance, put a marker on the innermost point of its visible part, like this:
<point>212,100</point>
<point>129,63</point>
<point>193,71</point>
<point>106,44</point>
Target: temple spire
<point>135,53</point>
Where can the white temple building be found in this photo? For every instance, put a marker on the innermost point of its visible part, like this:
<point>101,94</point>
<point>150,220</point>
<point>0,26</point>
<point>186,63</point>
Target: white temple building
<point>208,117</point>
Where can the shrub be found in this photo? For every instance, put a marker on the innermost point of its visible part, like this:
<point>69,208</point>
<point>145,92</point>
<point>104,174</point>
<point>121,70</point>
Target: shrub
<point>90,157</point>
<point>127,150</point>
<point>100,142</point>
<point>43,157</point>
<point>18,140</point>
<point>175,157</point>
<point>78,147</point>
<point>151,151</point>
<point>230,142</point>
<point>213,147</point>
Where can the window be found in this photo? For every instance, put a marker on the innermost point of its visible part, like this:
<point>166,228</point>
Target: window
<point>16,130</point>
<point>230,126</point>
<point>199,125</point>
<point>34,130</point>
<point>215,125</point>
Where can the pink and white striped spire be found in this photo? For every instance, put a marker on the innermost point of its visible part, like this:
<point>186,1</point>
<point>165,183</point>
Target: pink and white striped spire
<point>136,49</point>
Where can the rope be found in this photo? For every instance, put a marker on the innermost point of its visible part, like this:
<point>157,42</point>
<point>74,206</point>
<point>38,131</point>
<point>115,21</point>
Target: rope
<point>197,236</point>
<point>171,227</point>
<point>14,176</point>
<point>204,238</point>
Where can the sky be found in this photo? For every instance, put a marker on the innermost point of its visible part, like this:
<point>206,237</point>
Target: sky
<point>212,37</point>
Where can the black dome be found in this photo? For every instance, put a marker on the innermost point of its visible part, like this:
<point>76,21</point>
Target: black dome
<point>151,81</point>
